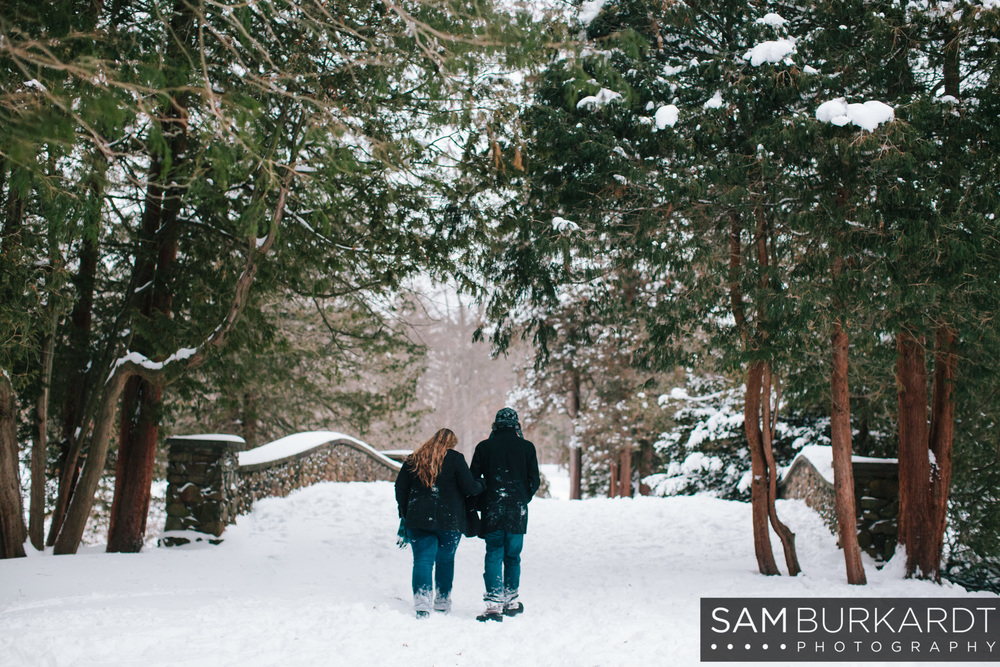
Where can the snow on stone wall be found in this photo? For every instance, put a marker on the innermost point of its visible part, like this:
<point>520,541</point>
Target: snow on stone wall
<point>876,495</point>
<point>343,459</point>
<point>208,487</point>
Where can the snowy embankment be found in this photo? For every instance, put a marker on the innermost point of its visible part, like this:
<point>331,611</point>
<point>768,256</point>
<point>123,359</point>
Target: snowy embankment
<point>316,578</point>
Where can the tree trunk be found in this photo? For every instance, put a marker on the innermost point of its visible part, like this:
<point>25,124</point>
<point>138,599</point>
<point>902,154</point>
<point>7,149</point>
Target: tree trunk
<point>575,472</point>
<point>785,534</point>
<point>942,429</point>
<point>758,470</point>
<point>12,529</point>
<point>250,422</point>
<point>645,465</point>
<point>751,413</point>
<point>39,448</point>
<point>81,319</point>
<point>36,509</point>
<point>843,469</point>
<point>575,453</point>
<point>78,512</point>
<point>142,400</point>
<point>625,474</point>
<point>916,522</point>
<point>613,483</point>
<point>925,452</point>
<point>138,435</point>
<point>140,427</point>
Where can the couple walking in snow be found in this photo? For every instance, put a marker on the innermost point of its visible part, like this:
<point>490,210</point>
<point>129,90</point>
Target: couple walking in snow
<point>432,492</point>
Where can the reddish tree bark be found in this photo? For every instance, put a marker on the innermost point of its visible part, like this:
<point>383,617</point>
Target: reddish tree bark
<point>575,453</point>
<point>843,468</point>
<point>141,407</point>
<point>784,533</point>
<point>925,451</point>
<point>758,470</point>
<point>625,474</point>
<point>138,435</point>
<point>915,516</point>
<point>78,512</point>
<point>942,432</point>
<point>751,413</point>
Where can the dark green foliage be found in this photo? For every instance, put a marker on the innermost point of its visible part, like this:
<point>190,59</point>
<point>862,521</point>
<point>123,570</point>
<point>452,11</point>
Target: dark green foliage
<point>169,137</point>
<point>909,207</point>
<point>295,366</point>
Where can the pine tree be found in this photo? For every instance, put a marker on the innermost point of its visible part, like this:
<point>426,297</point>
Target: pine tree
<point>196,139</point>
<point>637,144</point>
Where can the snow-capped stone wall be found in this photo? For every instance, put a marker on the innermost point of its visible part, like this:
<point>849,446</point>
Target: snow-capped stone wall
<point>876,495</point>
<point>338,458</point>
<point>211,480</point>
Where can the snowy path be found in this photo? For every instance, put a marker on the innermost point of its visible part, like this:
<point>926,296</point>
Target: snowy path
<point>316,579</point>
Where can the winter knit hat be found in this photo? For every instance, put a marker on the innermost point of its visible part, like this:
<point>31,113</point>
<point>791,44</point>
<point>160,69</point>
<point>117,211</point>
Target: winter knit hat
<point>507,418</point>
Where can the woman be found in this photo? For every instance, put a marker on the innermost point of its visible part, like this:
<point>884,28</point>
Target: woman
<point>430,493</point>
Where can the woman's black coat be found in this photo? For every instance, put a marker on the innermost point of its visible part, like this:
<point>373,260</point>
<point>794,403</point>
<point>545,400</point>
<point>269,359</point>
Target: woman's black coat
<point>441,507</point>
<point>508,465</point>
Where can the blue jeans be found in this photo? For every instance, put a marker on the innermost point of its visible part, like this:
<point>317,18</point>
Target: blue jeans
<point>433,552</point>
<point>502,570</point>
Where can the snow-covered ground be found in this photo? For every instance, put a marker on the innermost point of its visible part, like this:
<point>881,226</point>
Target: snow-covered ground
<point>317,579</point>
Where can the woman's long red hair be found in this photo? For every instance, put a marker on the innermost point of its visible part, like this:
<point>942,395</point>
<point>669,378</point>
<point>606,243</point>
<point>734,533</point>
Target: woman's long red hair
<point>427,460</point>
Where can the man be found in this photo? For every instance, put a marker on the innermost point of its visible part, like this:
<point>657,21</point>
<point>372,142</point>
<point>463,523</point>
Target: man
<point>508,466</point>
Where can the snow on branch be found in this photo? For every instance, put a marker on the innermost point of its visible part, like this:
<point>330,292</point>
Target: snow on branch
<point>564,225</point>
<point>143,361</point>
<point>601,99</point>
<point>772,19</point>
<point>867,116</point>
<point>666,116</point>
<point>770,52</point>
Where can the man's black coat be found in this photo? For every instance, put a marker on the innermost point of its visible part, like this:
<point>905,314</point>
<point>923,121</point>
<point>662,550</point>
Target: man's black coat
<point>508,466</point>
<point>443,506</point>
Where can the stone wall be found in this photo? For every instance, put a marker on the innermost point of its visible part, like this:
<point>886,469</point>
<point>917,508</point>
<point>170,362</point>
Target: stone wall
<point>338,461</point>
<point>876,498</point>
<point>202,483</point>
<point>804,482</point>
<point>207,488</point>
<point>876,488</point>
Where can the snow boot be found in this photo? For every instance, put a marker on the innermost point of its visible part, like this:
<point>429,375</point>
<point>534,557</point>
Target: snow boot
<point>494,612</point>
<point>423,603</point>
<point>442,605</point>
<point>513,609</point>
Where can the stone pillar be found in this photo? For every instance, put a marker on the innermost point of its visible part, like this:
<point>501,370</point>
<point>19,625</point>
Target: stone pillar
<point>201,487</point>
